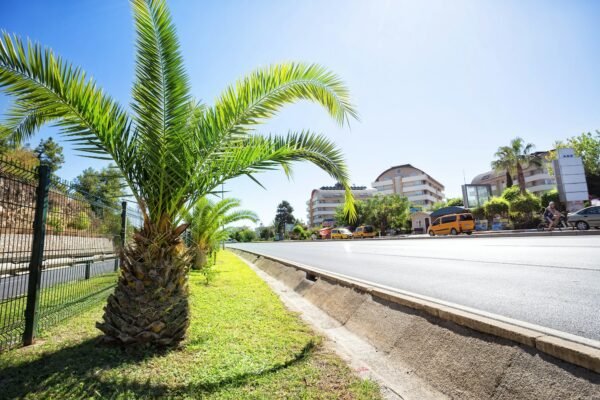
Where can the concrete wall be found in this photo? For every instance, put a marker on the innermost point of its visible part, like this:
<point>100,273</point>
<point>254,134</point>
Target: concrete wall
<point>460,362</point>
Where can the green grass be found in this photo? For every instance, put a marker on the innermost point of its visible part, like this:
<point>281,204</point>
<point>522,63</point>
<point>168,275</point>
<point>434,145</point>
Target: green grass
<point>56,303</point>
<point>242,343</point>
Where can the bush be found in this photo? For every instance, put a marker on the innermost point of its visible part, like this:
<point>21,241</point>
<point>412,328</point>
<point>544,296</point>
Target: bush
<point>80,222</point>
<point>496,206</point>
<point>549,196</point>
<point>478,212</point>
<point>526,204</point>
<point>511,193</point>
<point>55,223</point>
<point>299,233</point>
<point>456,202</point>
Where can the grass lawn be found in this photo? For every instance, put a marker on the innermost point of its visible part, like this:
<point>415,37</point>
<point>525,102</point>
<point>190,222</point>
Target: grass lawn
<point>56,303</point>
<point>242,343</point>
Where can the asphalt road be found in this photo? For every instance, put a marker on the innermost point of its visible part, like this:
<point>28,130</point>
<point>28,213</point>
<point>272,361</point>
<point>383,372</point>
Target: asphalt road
<point>553,282</point>
<point>15,286</point>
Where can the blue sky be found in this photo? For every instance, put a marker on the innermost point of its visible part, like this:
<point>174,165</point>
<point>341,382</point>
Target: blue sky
<point>437,84</point>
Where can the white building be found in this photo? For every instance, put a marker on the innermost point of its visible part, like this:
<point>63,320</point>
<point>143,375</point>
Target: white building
<point>324,201</point>
<point>537,179</point>
<point>406,180</point>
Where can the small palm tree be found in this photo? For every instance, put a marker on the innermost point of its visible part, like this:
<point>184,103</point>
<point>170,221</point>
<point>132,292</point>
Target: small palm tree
<point>208,220</point>
<point>515,158</point>
<point>171,149</point>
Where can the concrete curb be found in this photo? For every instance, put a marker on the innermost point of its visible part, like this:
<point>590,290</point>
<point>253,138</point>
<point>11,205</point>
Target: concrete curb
<point>581,352</point>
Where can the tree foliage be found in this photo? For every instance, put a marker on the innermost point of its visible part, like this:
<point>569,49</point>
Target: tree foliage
<point>207,227</point>
<point>586,146</point>
<point>547,197</point>
<point>105,187</point>
<point>172,150</point>
<point>284,215</point>
<point>50,153</point>
<point>511,193</point>
<point>496,206</point>
<point>515,158</point>
<point>341,218</point>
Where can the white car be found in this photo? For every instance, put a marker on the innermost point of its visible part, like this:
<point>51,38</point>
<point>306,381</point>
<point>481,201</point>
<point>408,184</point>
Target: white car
<point>585,218</point>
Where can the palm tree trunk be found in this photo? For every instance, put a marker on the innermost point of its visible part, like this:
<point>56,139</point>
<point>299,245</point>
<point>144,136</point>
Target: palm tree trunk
<point>521,178</point>
<point>150,302</point>
<point>200,258</point>
<point>509,181</point>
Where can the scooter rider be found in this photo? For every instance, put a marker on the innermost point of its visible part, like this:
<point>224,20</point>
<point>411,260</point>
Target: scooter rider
<point>551,215</point>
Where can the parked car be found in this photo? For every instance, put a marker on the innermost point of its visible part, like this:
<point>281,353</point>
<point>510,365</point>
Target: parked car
<point>453,224</point>
<point>585,218</point>
<point>364,231</point>
<point>341,233</point>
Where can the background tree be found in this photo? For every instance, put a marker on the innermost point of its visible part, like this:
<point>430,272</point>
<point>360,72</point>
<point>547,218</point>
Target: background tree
<point>496,206</point>
<point>243,234</point>
<point>455,202</point>
<point>387,212</point>
<point>525,210</point>
<point>266,233</point>
<point>514,158</point>
<point>50,153</point>
<point>586,146</point>
<point>105,187</point>
<point>283,215</point>
<point>171,149</point>
<point>510,193</point>
<point>207,227</point>
<point>551,195</point>
<point>299,233</point>
<point>22,155</point>
<point>341,218</point>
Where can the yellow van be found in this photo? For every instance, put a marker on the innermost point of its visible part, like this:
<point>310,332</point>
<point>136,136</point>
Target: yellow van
<point>453,224</point>
<point>341,233</point>
<point>364,231</point>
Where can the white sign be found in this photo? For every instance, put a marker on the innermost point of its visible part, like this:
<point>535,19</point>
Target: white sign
<point>570,178</point>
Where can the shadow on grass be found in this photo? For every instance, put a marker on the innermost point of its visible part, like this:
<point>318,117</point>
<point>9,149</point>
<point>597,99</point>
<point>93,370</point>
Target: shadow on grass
<point>77,372</point>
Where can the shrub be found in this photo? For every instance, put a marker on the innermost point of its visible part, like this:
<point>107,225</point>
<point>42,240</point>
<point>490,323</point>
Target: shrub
<point>511,193</point>
<point>478,212</point>
<point>299,233</point>
<point>549,196</point>
<point>526,204</point>
<point>457,202</point>
<point>55,223</point>
<point>496,206</point>
<point>80,222</point>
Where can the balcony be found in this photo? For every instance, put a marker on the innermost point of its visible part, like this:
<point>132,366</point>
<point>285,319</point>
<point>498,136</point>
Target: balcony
<point>541,188</point>
<point>537,177</point>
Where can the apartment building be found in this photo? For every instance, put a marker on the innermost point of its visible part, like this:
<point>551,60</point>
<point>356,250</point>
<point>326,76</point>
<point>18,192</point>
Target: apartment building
<point>325,200</point>
<point>537,179</point>
<point>420,188</point>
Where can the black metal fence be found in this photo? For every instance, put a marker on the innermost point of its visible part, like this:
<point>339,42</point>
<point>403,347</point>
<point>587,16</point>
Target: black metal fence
<point>58,250</point>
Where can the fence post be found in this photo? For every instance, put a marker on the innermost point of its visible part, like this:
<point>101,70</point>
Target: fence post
<point>37,255</point>
<point>88,265</point>
<point>123,231</point>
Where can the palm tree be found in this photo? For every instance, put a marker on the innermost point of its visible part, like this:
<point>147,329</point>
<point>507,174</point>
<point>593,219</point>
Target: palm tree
<point>171,149</point>
<point>515,158</point>
<point>207,223</point>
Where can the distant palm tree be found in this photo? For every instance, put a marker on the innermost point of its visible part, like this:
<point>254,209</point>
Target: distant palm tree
<point>208,220</point>
<point>514,159</point>
<point>171,149</point>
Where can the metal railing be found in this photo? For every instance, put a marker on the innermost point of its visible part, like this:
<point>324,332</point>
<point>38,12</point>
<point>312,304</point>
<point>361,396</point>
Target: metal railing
<point>59,250</point>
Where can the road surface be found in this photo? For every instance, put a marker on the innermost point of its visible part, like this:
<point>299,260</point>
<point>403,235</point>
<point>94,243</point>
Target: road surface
<point>553,282</point>
<point>15,286</point>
